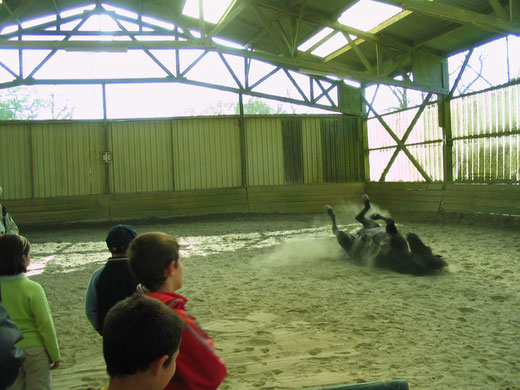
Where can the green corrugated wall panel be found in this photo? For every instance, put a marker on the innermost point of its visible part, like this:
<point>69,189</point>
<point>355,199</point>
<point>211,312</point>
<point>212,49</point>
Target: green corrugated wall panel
<point>342,150</point>
<point>64,161</point>
<point>264,151</point>
<point>312,153</point>
<point>15,160</point>
<point>206,153</point>
<point>142,156</point>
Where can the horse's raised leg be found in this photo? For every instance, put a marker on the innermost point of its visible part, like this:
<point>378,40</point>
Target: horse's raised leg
<point>367,223</point>
<point>344,239</point>
<point>390,223</point>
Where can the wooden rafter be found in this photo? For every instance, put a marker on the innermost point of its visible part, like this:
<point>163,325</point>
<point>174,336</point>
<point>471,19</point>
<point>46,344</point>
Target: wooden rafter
<point>375,30</point>
<point>262,32</point>
<point>298,27</point>
<point>458,15</point>
<point>269,27</point>
<point>324,21</point>
<point>497,7</point>
<point>301,64</point>
<point>321,41</point>
<point>15,14</point>
<point>359,53</point>
<point>235,8</point>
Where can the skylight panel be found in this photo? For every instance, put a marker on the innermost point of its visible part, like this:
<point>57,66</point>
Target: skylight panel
<point>225,42</point>
<point>38,21</point>
<point>336,42</point>
<point>100,23</point>
<point>213,9</point>
<point>76,11</point>
<point>367,14</point>
<point>9,29</point>
<point>120,11</point>
<point>159,23</point>
<point>314,39</point>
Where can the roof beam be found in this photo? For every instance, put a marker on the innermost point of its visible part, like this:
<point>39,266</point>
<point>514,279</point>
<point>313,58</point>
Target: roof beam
<point>375,30</point>
<point>298,27</point>
<point>458,15</point>
<point>231,13</point>
<point>499,11</point>
<point>19,11</point>
<point>324,21</point>
<point>269,27</point>
<point>300,64</point>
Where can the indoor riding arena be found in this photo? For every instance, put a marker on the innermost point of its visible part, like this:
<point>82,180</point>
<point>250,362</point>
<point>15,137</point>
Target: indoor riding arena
<point>419,111</point>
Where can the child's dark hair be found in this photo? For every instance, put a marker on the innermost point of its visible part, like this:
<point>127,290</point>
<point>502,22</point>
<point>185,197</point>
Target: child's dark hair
<point>136,332</point>
<point>13,248</point>
<point>150,254</point>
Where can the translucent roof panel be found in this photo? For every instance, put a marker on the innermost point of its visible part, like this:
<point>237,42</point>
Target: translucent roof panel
<point>315,39</point>
<point>334,43</point>
<point>367,14</point>
<point>213,9</point>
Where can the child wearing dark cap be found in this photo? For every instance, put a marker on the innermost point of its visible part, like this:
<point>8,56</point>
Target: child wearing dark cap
<point>114,281</point>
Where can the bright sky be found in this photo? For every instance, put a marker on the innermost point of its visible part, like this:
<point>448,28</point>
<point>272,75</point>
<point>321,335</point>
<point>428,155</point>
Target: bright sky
<point>164,100</point>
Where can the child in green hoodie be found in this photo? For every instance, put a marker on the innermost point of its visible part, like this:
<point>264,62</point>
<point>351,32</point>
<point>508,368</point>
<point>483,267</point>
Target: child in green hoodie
<point>27,305</point>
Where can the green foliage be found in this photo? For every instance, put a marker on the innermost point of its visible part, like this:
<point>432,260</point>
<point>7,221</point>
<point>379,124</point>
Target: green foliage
<point>17,103</point>
<point>255,106</point>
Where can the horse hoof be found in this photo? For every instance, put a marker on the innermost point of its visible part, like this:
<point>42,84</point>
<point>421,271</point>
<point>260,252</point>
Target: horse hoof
<point>375,216</point>
<point>365,198</point>
<point>329,210</point>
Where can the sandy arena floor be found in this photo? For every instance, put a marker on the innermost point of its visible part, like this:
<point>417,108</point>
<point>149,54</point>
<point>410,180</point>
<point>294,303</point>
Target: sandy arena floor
<point>288,310</point>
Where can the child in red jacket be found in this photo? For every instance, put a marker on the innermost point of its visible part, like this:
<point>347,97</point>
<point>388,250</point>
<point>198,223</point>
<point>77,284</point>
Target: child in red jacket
<point>156,263</point>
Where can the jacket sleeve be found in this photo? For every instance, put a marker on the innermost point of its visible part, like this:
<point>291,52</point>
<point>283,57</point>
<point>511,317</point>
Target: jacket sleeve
<point>45,324</point>
<point>198,366</point>
<point>8,222</point>
<point>11,357</point>
<point>91,307</point>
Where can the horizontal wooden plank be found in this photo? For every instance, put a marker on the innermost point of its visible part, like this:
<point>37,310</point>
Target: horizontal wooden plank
<point>408,205</point>
<point>301,199</point>
<point>388,186</point>
<point>490,188</point>
<point>179,203</point>
<point>35,211</point>
<point>395,197</point>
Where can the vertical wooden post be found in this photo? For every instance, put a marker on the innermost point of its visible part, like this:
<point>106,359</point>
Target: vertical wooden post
<point>363,132</point>
<point>107,127</point>
<point>242,132</point>
<point>444,108</point>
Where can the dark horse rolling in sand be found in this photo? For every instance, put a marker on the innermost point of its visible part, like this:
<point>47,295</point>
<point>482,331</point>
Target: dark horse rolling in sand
<point>385,247</point>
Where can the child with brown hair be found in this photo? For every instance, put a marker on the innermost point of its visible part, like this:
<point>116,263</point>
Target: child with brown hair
<point>156,263</point>
<point>27,305</point>
<point>141,340</point>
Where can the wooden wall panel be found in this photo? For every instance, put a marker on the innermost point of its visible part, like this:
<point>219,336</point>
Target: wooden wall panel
<point>65,159</point>
<point>501,199</point>
<point>301,199</point>
<point>264,151</point>
<point>401,197</point>
<point>59,209</point>
<point>312,151</point>
<point>142,156</point>
<point>178,203</point>
<point>15,161</point>
<point>206,154</point>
